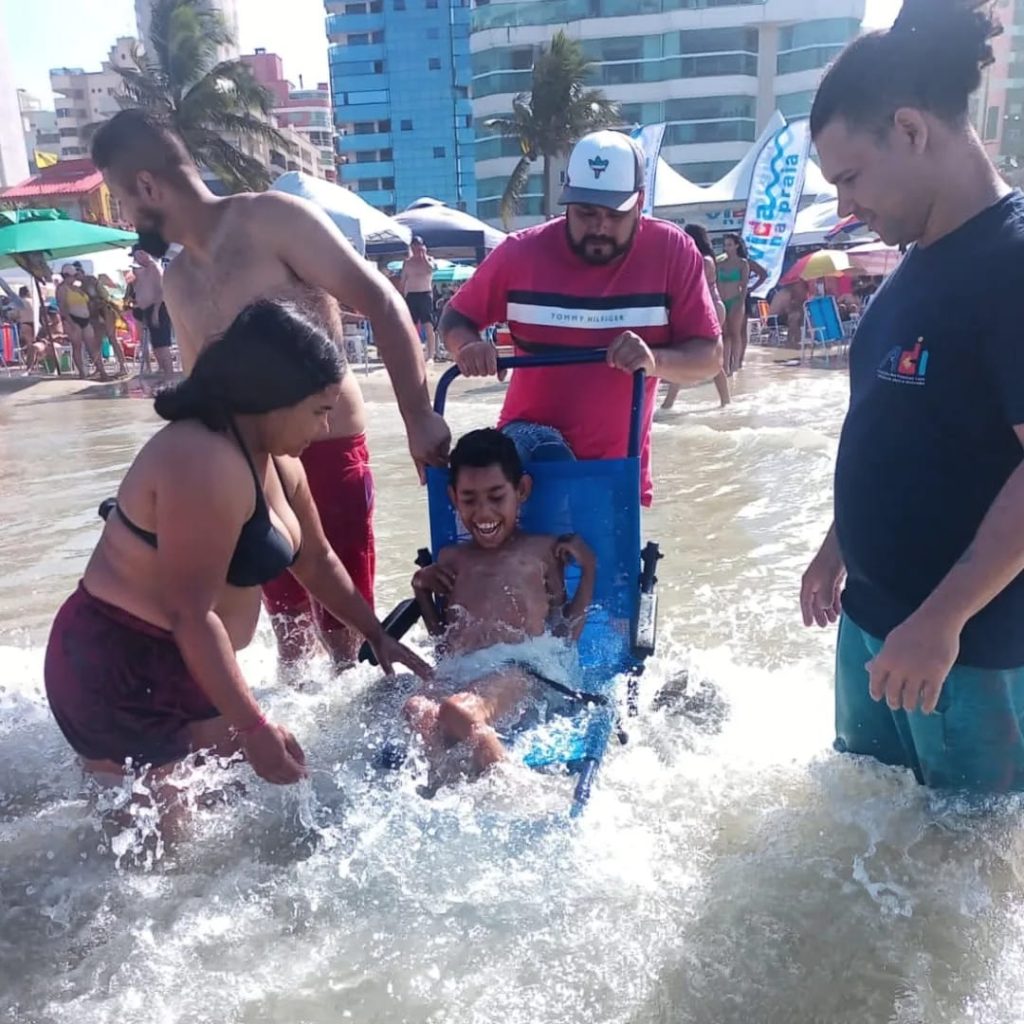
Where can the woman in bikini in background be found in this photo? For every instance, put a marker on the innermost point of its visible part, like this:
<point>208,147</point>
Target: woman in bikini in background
<point>73,302</point>
<point>733,277</point>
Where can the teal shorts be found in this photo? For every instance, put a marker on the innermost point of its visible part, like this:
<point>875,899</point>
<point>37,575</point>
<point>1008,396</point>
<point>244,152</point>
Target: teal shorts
<point>971,741</point>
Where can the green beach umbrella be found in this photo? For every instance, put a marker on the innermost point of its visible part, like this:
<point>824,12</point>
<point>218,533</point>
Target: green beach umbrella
<point>395,266</point>
<point>453,274</point>
<point>55,235</point>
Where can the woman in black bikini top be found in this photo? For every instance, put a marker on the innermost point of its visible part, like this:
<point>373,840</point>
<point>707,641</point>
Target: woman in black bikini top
<point>141,668</point>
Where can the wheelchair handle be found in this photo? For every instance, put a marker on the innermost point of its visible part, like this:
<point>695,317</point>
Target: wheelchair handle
<point>575,357</point>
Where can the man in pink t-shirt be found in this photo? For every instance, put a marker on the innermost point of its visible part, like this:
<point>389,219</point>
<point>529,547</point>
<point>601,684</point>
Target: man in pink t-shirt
<point>603,276</point>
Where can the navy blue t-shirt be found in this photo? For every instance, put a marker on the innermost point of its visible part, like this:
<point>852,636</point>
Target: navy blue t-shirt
<point>936,388</point>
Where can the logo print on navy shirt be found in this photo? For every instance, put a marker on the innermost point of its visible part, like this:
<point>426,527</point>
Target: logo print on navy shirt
<point>905,365</point>
<point>598,165</point>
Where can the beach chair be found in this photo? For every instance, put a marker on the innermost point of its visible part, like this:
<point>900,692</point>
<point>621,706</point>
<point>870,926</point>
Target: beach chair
<point>600,500</point>
<point>764,329</point>
<point>823,328</point>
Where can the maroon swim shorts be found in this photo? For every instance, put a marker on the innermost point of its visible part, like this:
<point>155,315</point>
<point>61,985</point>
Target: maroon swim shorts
<point>338,471</point>
<point>118,686</point>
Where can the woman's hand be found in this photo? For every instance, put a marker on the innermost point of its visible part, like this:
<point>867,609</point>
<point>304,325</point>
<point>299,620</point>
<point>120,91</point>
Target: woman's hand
<point>390,652</point>
<point>275,755</point>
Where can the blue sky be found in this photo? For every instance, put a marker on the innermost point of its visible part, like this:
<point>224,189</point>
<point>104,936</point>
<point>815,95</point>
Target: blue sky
<point>44,34</point>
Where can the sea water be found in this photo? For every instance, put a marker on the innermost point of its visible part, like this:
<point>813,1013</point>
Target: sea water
<point>730,867</point>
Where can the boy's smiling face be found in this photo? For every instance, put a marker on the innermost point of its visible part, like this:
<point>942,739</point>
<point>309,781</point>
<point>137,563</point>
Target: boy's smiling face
<point>488,503</point>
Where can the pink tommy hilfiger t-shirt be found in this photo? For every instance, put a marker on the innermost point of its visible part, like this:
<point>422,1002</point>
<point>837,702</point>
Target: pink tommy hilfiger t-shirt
<point>549,296</point>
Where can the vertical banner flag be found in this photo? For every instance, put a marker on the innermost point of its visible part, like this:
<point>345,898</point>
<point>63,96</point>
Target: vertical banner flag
<point>649,138</point>
<point>775,188</point>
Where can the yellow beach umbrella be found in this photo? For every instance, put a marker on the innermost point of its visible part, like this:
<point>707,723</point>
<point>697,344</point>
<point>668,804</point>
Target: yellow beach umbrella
<point>823,263</point>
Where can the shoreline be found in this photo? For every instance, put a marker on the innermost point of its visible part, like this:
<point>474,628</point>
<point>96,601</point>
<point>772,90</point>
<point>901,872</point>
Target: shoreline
<point>24,388</point>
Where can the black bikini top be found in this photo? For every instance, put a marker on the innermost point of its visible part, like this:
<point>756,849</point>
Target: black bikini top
<point>262,552</point>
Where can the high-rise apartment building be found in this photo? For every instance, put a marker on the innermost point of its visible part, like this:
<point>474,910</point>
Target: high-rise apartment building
<point>227,9</point>
<point>39,127</point>
<point>400,78</point>
<point>305,111</point>
<point>997,109</point>
<point>712,70</point>
<point>87,97</point>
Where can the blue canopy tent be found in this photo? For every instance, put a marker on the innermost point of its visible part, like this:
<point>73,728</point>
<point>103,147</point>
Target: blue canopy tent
<point>449,232</point>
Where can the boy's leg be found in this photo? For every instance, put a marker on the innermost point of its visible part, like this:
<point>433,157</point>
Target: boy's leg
<point>421,712</point>
<point>470,716</point>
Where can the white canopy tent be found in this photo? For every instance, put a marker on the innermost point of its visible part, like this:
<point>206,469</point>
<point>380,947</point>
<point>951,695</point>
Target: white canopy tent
<point>673,190</point>
<point>815,223</point>
<point>369,230</point>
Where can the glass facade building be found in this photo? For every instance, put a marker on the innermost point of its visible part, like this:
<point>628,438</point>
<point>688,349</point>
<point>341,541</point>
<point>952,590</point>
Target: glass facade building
<point>713,70</point>
<point>400,86</point>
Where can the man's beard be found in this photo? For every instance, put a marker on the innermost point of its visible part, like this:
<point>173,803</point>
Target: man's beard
<point>153,242</point>
<point>614,249</point>
<point>151,236</point>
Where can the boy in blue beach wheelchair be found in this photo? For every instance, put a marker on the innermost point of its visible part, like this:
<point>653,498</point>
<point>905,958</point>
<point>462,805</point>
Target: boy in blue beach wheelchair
<point>498,605</point>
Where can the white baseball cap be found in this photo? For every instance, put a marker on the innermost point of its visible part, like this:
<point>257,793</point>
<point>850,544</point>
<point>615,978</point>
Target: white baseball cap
<point>606,168</point>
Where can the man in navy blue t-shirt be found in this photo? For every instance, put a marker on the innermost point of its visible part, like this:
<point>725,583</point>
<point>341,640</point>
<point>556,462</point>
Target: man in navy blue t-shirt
<point>929,485</point>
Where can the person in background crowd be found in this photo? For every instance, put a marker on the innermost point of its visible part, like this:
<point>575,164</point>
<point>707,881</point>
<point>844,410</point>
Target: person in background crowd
<point>44,345</point>
<point>103,315</point>
<point>788,305</point>
<point>418,288</point>
<point>150,310</point>
<point>733,277</point>
<point>73,302</point>
<point>22,315</point>
<point>700,237</point>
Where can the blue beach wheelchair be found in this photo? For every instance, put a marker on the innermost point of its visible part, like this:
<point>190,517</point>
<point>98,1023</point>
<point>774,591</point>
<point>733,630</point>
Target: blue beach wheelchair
<point>599,500</point>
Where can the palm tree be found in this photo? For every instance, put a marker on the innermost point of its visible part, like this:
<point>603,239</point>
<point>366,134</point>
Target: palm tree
<point>204,100</point>
<point>558,111</point>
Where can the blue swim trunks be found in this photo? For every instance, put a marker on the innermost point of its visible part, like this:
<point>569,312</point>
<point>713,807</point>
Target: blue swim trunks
<point>971,741</point>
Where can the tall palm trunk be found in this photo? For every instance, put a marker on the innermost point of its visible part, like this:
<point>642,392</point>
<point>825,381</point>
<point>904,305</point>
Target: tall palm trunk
<point>558,111</point>
<point>548,203</point>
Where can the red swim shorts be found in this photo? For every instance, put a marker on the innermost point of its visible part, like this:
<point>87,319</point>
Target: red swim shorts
<point>341,483</point>
<point>118,686</point>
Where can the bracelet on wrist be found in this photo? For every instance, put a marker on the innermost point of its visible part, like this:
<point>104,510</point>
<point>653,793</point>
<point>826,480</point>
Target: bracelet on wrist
<point>252,729</point>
